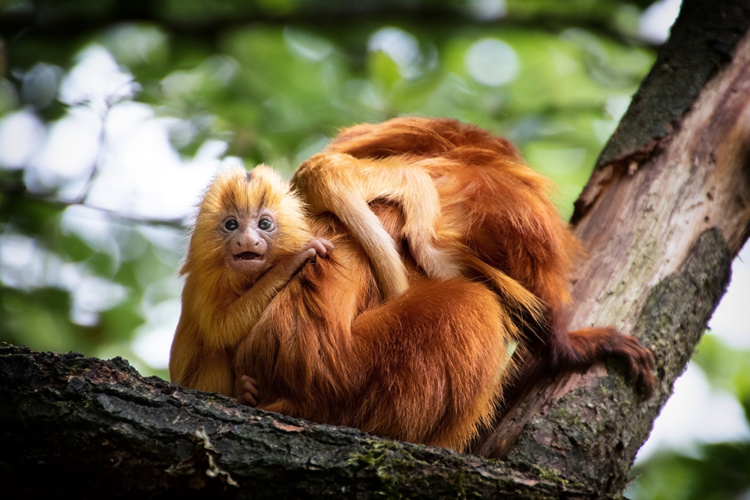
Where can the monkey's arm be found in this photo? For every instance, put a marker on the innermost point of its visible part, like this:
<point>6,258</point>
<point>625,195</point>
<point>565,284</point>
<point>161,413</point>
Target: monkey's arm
<point>234,321</point>
<point>201,356</point>
<point>344,185</point>
<point>185,348</point>
<point>193,366</point>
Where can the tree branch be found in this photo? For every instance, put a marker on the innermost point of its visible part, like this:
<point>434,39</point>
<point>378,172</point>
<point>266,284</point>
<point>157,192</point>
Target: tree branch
<point>96,429</point>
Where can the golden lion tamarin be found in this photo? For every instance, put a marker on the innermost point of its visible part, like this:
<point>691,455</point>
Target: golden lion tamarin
<point>250,237</point>
<point>471,206</point>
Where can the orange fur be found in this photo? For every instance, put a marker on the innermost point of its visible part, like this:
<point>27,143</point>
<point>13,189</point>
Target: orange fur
<point>446,223</point>
<point>427,366</point>
<point>344,186</point>
<point>494,222</point>
<point>224,295</point>
<point>320,343</point>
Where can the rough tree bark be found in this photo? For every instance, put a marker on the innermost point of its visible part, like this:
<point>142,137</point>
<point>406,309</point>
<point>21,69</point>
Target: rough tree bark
<point>666,209</point>
<point>88,428</point>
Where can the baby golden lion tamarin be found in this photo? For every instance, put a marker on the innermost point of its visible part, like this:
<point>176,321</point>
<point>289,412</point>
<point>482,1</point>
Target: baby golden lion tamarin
<point>250,237</point>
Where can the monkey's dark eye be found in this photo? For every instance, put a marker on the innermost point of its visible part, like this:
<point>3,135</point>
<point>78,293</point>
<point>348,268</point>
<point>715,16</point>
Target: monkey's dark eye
<point>231,225</point>
<point>265,224</point>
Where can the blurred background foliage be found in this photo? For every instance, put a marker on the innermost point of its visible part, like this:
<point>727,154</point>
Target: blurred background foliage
<point>114,115</point>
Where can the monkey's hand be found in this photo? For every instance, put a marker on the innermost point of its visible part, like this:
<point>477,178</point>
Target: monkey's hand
<point>319,246</point>
<point>285,269</point>
<point>314,248</point>
<point>246,389</point>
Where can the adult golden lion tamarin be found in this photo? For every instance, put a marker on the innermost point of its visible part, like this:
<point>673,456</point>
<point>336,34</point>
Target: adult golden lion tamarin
<point>471,206</point>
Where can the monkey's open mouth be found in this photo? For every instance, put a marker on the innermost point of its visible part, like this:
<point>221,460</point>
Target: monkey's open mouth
<point>248,256</point>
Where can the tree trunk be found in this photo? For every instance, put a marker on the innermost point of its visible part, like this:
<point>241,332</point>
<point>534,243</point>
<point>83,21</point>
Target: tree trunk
<point>666,209</point>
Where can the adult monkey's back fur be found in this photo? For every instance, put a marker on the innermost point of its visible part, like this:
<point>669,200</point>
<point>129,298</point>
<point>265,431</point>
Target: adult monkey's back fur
<point>494,222</point>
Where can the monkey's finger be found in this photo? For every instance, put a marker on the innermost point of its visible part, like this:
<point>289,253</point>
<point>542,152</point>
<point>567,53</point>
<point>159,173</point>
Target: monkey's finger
<point>327,244</point>
<point>303,256</point>
<point>249,399</point>
<point>251,386</point>
<point>248,382</point>
<point>321,246</point>
<point>249,390</point>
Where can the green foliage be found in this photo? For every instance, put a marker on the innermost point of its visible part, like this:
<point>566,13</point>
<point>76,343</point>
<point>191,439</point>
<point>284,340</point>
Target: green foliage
<point>719,472</point>
<point>729,369</point>
<point>711,470</point>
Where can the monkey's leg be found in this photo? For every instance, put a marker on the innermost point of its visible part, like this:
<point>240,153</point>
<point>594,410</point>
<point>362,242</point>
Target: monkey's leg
<point>439,358</point>
<point>595,344</point>
<point>329,184</point>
